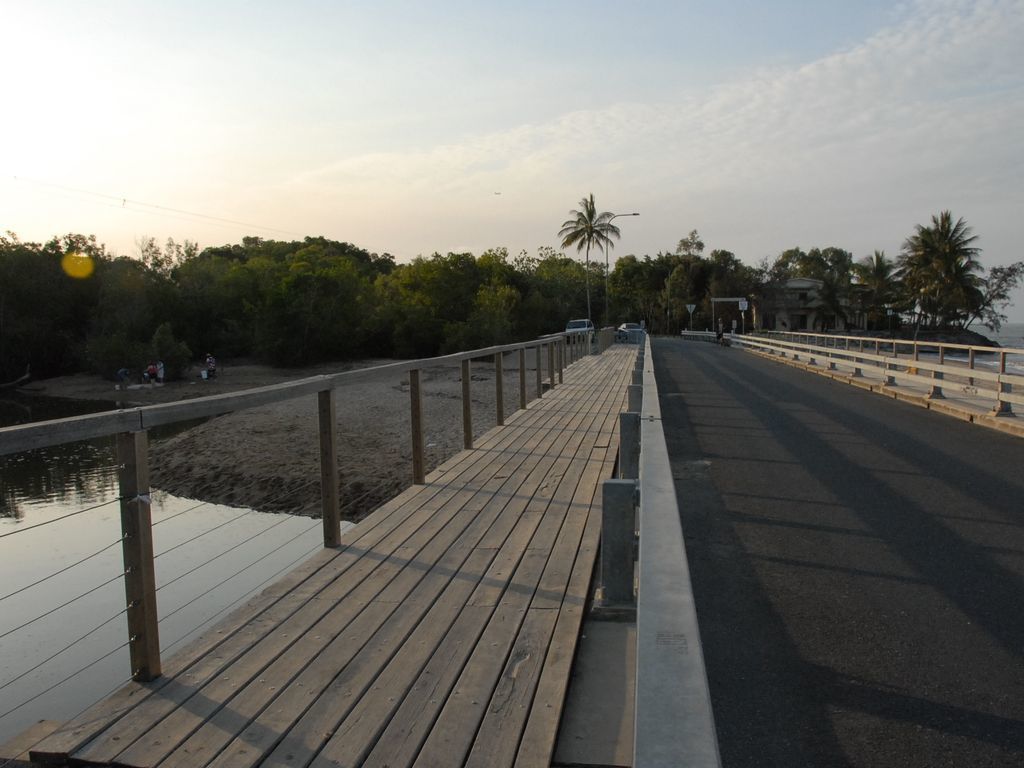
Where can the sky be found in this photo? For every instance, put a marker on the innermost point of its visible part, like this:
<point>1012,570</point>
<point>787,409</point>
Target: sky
<point>413,127</point>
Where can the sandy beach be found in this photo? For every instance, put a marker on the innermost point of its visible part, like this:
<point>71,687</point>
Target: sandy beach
<point>267,458</point>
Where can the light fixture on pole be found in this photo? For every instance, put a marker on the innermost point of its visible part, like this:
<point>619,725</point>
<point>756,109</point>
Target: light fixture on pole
<point>607,317</point>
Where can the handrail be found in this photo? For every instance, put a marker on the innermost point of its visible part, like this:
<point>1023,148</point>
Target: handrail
<point>881,358</point>
<point>674,723</point>
<point>130,426</point>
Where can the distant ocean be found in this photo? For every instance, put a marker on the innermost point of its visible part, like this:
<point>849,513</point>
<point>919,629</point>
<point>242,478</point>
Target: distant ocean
<point>1011,335</point>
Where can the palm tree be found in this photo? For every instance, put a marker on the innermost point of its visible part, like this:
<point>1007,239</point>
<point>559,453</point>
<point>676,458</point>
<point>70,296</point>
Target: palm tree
<point>939,268</point>
<point>876,277</point>
<point>587,228</point>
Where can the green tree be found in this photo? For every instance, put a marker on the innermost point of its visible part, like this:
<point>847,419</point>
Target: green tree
<point>877,286</point>
<point>939,269</point>
<point>586,228</point>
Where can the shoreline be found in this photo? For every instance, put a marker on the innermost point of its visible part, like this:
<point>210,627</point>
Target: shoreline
<point>267,457</point>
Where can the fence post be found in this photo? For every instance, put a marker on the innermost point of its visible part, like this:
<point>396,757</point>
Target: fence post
<point>499,389</point>
<point>522,377</point>
<point>561,359</point>
<point>416,423</point>
<point>936,390</point>
<point>629,445</point>
<point>137,546</point>
<point>540,375</point>
<point>1002,407</point>
<point>634,397</point>
<point>467,408</point>
<point>617,535</point>
<point>329,509</point>
<point>551,364</point>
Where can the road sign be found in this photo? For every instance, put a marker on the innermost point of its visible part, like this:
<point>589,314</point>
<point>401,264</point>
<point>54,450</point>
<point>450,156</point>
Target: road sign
<point>690,308</point>
<point>743,305</point>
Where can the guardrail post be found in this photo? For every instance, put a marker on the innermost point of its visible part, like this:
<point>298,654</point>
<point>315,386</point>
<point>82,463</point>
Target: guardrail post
<point>540,373</point>
<point>618,532</point>
<point>970,364</point>
<point>522,378</point>
<point>634,397</point>
<point>551,364</point>
<point>329,508</point>
<point>1002,407</point>
<point>137,546</point>
<point>561,360</point>
<point>936,390</point>
<point>419,476</point>
<point>629,445</point>
<point>467,407</point>
<point>887,378</point>
<point>637,377</point>
<point>499,389</point>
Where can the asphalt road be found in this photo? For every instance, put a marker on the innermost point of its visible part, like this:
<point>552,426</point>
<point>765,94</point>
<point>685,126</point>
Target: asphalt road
<point>858,567</point>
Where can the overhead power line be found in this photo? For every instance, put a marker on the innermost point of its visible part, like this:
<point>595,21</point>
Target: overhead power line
<point>125,202</point>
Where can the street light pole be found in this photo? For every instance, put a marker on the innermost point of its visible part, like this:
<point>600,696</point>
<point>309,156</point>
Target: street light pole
<point>607,317</point>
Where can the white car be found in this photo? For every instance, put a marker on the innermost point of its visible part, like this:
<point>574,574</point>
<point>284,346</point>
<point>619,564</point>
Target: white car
<point>579,326</point>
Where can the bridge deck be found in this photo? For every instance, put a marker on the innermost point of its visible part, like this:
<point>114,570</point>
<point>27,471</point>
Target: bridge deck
<point>441,632</point>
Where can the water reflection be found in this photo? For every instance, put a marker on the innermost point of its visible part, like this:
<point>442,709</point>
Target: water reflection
<point>59,510</point>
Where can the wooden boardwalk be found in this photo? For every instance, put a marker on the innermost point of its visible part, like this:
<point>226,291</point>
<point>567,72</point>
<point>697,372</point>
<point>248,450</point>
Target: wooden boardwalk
<point>440,633</point>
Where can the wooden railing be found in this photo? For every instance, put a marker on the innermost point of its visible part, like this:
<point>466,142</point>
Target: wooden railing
<point>550,355</point>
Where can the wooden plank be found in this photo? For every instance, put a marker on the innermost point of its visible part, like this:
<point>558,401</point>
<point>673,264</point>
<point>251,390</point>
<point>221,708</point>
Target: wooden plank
<point>498,736</point>
<point>414,499</point>
<point>537,745</point>
<point>367,575</point>
<point>401,739</point>
<point>90,723</point>
<point>452,735</point>
<point>190,755</point>
<point>323,715</point>
<point>356,734</point>
<point>17,748</point>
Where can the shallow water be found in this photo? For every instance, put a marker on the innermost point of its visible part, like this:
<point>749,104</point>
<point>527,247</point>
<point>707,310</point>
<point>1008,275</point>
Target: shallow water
<point>230,554</point>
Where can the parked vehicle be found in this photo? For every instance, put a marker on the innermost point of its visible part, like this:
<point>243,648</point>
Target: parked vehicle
<point>629,332</point>
<point>579,326</point>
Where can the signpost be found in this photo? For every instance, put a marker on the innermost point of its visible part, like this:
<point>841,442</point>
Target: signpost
<point>690,308</point>
<point>740,300</point>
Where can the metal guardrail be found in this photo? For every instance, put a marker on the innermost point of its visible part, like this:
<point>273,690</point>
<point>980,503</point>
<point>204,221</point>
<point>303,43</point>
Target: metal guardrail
<point>896,362</point>
<point>673,720</point>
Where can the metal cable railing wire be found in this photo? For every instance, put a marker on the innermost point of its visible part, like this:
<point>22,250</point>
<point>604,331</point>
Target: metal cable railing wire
<point>219,555</point>
<point>62,605</point>
<point>5,763</point>
<point>66,647</point>
<point>237,600</point>
<point>59,572</point>
<point>201,534</point>
<point>64,680</point>
<point>62,517</point>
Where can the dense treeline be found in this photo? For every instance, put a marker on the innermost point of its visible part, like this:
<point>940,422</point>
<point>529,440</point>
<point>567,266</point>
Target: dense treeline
<point>69,305</point>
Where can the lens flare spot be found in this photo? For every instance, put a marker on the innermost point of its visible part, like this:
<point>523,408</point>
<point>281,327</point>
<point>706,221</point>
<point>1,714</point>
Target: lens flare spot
<point>77,265</point>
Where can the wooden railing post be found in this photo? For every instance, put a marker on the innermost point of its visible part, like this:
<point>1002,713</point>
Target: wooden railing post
<point>499,389</point>
<point>540,374</point>
<point>1002,407</point>
<point>561,359</point>
<point>936,390</point>
<point>522,378</point>
<point>467,408</point>
<point>416,423</point>
<point>137,546</point>
<point>329,507</point>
